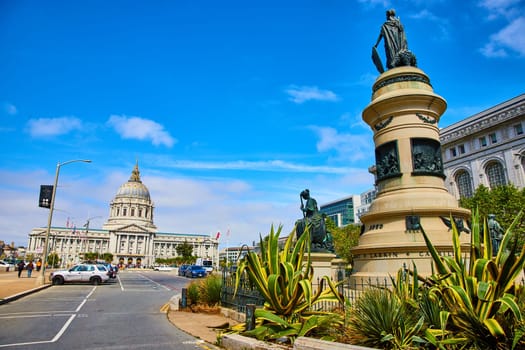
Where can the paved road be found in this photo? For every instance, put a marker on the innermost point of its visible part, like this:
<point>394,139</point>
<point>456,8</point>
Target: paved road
<point>125,314</point>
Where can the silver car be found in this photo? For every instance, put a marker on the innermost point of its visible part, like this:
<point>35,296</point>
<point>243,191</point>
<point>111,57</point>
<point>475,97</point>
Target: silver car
<point>88,273</point>
<point>7,265</point>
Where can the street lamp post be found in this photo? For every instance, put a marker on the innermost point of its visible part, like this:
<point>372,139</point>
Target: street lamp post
<point>41,279</point>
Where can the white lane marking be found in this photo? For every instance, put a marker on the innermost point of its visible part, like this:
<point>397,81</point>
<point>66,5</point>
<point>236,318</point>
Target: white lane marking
<point>61,314</point>
<point>36,313</point>
<point>120,282</point>
<point>57,336</point>
<point>85,299</point>
<point>152,281</point>
<point>62,330</point>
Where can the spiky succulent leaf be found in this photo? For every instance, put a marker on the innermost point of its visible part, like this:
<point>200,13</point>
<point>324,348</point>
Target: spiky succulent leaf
<point>284,279</point>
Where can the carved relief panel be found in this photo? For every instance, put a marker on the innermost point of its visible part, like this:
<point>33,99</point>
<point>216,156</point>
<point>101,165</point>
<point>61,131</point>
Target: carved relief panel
<point>387,161</point>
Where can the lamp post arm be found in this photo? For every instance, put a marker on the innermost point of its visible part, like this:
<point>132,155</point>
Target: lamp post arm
<point>73,161</point>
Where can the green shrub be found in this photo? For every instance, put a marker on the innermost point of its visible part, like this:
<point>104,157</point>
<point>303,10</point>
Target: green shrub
<point>210,289</point>
<point>193,293</point>
<point>381,319</point>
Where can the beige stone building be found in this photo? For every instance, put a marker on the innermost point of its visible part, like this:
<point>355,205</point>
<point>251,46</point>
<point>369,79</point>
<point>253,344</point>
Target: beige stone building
<point>129,233</point>
<point>487,149</point>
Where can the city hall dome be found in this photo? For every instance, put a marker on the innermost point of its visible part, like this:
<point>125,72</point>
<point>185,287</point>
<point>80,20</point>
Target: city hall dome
<point>134,188</point>
<point>132,205</point>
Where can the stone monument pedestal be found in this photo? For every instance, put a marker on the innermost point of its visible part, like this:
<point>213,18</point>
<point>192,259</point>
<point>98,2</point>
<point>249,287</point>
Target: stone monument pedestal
<point>404,114</point>
<point>322,264</point>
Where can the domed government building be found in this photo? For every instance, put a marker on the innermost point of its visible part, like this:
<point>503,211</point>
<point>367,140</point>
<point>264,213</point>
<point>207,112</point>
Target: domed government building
<point>129,233</point>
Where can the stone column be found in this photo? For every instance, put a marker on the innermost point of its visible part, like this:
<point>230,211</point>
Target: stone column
<point>404,115</point>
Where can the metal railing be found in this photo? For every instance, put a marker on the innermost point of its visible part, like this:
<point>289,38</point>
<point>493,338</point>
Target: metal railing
<point>246,293</point>
<point>351,289</point>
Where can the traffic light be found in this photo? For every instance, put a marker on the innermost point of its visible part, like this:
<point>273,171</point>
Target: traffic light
<point>46,194</point>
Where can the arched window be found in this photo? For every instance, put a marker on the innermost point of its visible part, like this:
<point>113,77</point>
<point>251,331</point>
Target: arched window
<point>495,174</point>
<point>464,184</point>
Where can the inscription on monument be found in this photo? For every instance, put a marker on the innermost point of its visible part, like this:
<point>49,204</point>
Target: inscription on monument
<point>393,255</point>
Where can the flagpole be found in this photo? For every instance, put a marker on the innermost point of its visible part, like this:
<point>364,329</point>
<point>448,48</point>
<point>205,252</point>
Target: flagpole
<point>227,245</point>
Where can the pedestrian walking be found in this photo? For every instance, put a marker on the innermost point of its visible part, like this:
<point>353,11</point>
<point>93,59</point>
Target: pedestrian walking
<point>30,268</point>
<point>38,265</point>
<point>20,265</point>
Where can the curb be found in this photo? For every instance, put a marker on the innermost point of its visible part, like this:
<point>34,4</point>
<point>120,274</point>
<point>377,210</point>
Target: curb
<point>23,294</point>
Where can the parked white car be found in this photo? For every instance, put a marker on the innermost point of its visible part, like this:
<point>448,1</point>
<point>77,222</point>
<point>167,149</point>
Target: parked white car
<point>88,273</point>
<point>163,268</point>
<point>5,264</point>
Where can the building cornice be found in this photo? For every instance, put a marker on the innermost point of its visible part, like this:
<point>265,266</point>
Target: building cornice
<point>482,121</point>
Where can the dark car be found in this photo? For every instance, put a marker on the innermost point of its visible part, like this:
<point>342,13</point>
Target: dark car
<point>195,271</point>
<point>182,270</point>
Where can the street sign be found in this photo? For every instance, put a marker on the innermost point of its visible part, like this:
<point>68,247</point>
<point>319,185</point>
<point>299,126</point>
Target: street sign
<point>46,194</point>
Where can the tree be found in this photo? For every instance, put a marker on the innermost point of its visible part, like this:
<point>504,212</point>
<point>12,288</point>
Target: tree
<point>503,201</point>
<point>53,260</point>
<point>185,250</point>
<point>91,256</point>
<point>108,257</point>
<point>344,238</point>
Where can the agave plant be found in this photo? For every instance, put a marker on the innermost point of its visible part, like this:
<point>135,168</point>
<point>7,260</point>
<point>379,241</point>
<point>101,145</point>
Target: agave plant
<point>478,291</point>
<point>389,318</point>
<point>284,279</point>
<point>383,319</point>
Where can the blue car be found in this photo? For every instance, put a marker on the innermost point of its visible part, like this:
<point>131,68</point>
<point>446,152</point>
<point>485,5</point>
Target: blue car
<point>195,271</point>
<point>182,269</point>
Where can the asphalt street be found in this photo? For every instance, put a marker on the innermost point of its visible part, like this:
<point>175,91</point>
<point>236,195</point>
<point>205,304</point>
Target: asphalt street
<point>124,314</point>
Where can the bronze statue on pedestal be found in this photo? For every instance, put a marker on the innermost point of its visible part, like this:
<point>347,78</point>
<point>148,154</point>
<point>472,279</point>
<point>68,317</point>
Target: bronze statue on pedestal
<point>396,46</point>
<point>313,219</point>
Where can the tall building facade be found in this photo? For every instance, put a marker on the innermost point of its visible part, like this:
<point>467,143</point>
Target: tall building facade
<point>342,211</point>
<point>129,233</point>
<point>487,149</point>
<point>366,201</point>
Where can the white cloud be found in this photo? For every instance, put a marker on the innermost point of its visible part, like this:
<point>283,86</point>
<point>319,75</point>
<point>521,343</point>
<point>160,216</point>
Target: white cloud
<point>300,94</point>
<point>46,127</point>
<point>426,15</point>
<point>502,8</point>
<point>440,22</point>
<point>510,37</point>
<point>491,50</point>
<point>268,166</point>
<point>182,204</point>
<point>372,3</point>
<point>141,129</point>
<point>348,146</point>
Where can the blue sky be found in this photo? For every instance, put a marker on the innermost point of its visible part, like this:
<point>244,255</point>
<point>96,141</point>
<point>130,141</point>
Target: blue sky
<point>231,108</point>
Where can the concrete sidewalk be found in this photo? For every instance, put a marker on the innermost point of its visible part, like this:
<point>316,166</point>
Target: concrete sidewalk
<point>12,287</point>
